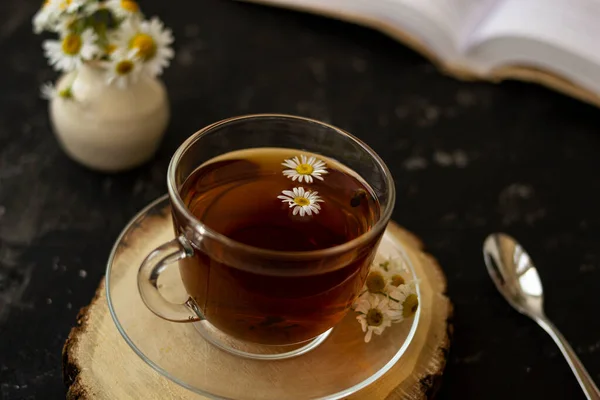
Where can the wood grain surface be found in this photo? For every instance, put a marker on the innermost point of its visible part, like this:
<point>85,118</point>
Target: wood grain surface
<point>99,364</point>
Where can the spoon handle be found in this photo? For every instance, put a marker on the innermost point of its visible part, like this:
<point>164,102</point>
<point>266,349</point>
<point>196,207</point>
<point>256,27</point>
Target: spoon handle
<point>587,384</point>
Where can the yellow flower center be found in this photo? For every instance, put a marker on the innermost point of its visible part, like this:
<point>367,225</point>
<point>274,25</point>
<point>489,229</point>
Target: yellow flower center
<point>65,3</point>
<point>110,48</point>
<point>124,67</point>
<point>410,305</point>
<point>397,280</point>
<point>301,201</point>
<point>304,169</point>
<point>71,44</point>
<point>145,46</point>
<point>374,317</point>
<point>375,282</point>
<point>130,5</point>
<point>65,93</point>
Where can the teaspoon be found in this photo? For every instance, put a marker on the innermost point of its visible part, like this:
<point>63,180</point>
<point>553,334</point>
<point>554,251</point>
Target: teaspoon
<point>517,279</point>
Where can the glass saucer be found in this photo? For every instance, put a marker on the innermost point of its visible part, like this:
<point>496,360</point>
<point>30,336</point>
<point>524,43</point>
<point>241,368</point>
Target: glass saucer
<point>340,365</point>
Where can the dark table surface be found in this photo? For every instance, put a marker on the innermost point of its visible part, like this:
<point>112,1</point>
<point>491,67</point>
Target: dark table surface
<point>468,159</point>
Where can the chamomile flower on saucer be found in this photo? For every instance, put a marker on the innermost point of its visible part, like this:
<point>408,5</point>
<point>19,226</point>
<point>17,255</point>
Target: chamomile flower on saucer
<point>404,299</point>
<point>376,282</point>
<point>375,314</point>
<point>392,269</point>
<point>303,201</point>
<point>151,41</point>
<point>71,50</point>
<point>304,168</point>
<point>123,8</point>
<point>123,68</point>
<point>410,305</point>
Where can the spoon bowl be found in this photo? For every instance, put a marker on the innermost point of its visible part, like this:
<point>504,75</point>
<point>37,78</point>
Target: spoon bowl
<point>514,274</point>
<point>517,279</point>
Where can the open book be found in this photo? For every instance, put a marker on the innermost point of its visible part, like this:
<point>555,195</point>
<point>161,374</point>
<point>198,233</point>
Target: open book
<point>553,42</point>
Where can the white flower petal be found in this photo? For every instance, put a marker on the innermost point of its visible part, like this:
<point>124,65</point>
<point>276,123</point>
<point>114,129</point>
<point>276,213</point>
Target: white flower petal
<point>48,91</point>
<point>363,322</point>
<point>396,316</point>
<point>379,330</point>
<point>122,80</point>
<point>375,301</point>
<point>368,335</point>
<point>53,49</point>
<point>116,6</point>
<point>161,36</point>
<point>364,304</point>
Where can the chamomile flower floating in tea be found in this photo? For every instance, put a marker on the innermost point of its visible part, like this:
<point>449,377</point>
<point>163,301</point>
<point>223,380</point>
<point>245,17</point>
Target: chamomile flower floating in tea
<point>304,168</point>
<point>110,35</point>
<point>390,298</point>
<point>244,196</point>
<point>375,314</point>
<point>303,201</point>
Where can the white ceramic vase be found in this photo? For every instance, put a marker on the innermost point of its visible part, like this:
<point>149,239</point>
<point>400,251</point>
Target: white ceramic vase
<point>107,128</point>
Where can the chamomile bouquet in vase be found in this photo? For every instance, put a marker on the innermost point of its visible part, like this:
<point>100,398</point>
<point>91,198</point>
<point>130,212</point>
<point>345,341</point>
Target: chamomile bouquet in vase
<point>108,109</point>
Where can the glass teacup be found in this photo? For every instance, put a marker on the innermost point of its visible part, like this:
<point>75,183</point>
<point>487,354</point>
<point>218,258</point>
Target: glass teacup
<point>244,280</point>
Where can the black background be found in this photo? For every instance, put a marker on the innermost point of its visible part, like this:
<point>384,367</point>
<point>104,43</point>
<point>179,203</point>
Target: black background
<point>468,159</point>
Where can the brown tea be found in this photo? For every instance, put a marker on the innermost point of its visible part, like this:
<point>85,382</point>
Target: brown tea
<point>287,201</point>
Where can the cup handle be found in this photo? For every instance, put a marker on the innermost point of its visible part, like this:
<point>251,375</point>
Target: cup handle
<point>153,265</point>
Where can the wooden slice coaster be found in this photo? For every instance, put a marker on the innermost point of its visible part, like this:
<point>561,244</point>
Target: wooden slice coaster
<point>99,364</point>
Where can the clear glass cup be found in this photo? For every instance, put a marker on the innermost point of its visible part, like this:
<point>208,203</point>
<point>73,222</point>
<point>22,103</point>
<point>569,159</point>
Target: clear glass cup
<point>196,243</point>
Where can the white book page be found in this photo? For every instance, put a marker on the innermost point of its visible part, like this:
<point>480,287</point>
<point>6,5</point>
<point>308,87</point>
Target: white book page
<point>458,17</point>
<point>441,25</point>
<point>418,18</point>
<point>562,36</point>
